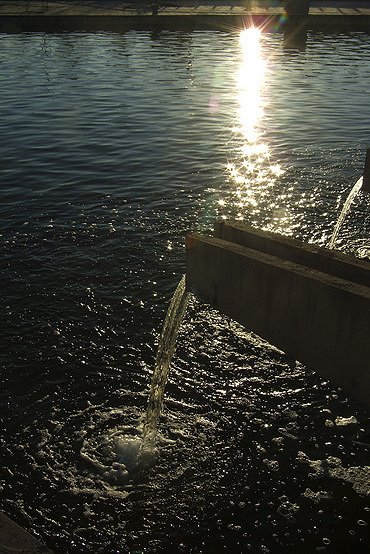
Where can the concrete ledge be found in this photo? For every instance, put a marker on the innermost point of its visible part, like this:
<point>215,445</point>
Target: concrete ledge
<point>322,259</point>
<point>318,318</point>
<point>15,539</point>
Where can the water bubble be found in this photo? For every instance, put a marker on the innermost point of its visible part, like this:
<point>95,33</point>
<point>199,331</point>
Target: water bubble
<point>362,523</point>
<point>233,527</point>
<point>326,541</point>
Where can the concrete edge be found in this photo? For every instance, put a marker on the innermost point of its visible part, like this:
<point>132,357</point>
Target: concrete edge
<point>317,257</point>
<point>14,539</point>
<point>319,319</point>
<point>309,272</point>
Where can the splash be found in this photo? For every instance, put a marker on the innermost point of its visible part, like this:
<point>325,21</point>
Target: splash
<point>122,453</point>
<point>344,212</point>
<point>114,456</point>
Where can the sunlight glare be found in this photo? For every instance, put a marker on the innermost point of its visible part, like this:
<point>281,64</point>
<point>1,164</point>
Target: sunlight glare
<point>250,81</point>
<point>251,174</point>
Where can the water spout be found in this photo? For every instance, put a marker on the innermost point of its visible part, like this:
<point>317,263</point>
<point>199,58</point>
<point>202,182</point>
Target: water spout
<point>345,210</point>
<point>166,348</point>
<point>120,454</point>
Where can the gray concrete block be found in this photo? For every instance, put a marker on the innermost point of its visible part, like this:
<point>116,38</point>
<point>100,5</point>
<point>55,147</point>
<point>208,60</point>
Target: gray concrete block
<point>314,316</point>
<point>15,539</point>
<point>323,259</point>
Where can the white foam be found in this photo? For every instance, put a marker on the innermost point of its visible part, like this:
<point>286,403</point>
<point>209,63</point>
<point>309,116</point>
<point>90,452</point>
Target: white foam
<point>128,450</point>
<point>344,421</point>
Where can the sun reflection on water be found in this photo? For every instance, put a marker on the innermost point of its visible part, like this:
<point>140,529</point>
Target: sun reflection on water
<point>250,82</point>
<point>251,175</point>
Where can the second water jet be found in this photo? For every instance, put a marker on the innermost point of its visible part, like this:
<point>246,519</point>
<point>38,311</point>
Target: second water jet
<point>346,207</point>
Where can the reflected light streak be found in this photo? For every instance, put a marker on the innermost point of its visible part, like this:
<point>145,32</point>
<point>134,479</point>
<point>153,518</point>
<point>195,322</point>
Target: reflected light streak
<point>250,81</point>
<point>251,175</point>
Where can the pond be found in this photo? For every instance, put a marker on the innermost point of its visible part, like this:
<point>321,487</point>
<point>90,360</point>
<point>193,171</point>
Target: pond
<point>114,146</point>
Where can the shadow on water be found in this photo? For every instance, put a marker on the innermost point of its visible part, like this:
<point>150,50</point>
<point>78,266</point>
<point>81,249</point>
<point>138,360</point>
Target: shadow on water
<point>153,23</point>
<point>295,37</point>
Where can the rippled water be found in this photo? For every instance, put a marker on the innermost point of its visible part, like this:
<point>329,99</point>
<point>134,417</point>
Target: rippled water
<point>113,147</point>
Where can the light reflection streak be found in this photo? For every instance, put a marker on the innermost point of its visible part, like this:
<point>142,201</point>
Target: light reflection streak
<point>251,176</point>
<point>250,81</point>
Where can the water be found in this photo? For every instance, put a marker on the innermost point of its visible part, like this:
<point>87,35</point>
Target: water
<point>346,207</point>
<point>119,455</point>
<point>115,147</point>
<point>166,349</point>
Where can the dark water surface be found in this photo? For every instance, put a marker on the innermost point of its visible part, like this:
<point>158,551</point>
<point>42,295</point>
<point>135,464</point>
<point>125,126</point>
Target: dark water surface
<point>112,148</point>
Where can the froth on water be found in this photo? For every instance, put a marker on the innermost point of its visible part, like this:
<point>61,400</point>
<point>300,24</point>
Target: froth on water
<point>116,455</point>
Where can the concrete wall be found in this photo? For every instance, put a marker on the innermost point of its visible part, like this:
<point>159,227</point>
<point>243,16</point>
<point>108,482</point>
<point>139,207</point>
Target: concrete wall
<point>316,317</point>
<point>15,539</point>
<point>325,260</point>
